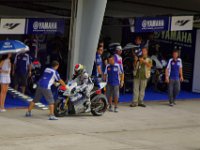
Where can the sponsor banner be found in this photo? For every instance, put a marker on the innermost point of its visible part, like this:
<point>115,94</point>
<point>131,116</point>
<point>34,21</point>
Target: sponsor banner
<point>181,23</point>
<point>185,42</point>
<point>152,24</point>
<point>45,26</point>
<point>12,26</point>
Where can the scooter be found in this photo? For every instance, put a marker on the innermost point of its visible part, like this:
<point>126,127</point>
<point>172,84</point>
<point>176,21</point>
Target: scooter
<point>70,102</point>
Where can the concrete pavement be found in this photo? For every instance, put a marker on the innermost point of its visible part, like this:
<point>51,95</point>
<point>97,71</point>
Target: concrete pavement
<point>157,127</point>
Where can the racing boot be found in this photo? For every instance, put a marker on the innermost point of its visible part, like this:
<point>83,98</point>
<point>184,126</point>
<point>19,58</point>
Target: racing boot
<point>88,105</point>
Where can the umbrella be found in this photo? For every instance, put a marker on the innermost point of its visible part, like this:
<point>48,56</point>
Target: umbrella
<point>12,46</point>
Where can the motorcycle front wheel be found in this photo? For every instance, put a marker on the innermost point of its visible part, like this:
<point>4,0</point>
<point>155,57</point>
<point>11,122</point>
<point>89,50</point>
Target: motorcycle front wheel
<point>99,105</point>
<point>59,109</point>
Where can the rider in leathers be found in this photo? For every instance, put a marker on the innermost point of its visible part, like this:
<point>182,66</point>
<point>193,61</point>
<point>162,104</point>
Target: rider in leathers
<point>84,82</point>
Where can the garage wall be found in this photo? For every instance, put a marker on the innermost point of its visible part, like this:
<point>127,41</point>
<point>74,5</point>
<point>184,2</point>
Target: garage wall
<point>114,32</point>
<point>196,76</point>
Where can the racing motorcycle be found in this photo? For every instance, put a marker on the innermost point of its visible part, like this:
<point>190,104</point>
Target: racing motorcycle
<point>35,76</point>
<point>158,73</point>
<point>70,102</point>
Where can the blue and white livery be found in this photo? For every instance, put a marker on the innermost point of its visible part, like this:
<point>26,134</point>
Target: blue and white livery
<point>48,78</point>
<point>174,67</point>
<point>113,73</point>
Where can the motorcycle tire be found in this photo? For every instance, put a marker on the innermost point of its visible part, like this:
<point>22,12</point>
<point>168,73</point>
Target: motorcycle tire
<point>57,109</point>
<point>128,65</point>
<point>96,100</point>
<point>31,83</point>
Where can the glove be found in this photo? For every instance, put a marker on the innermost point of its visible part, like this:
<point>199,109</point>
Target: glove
<point>56,84</point>
<point>77,90</point>
<point>73,90</point>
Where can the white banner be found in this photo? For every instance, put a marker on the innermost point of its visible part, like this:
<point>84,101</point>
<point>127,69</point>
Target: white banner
<point>181,23</point>
<point>12,26</point>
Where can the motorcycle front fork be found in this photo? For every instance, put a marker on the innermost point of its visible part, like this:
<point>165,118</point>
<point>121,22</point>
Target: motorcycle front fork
<point>66,103</point>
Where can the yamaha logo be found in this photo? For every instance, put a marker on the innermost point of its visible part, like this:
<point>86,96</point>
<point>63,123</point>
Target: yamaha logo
<point>7,45</point>
<point>35,25</point>
<point>11,26</point>
<point>152,23</point>
<point>45,25</point>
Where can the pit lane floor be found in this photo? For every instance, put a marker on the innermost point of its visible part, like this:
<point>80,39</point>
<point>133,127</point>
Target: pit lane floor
<point>157,127</point>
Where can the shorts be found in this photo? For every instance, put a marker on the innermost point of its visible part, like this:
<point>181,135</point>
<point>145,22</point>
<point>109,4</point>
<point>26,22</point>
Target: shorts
<point>112,91</point>
<point>20,80</point>
<point>40,92</point>
<point>5,79</point>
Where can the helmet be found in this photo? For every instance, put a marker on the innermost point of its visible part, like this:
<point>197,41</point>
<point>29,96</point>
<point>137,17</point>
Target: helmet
<point>78,69</point>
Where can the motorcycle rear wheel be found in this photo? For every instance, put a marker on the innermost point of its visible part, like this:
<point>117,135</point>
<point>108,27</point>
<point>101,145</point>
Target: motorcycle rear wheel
<point>99,105</point>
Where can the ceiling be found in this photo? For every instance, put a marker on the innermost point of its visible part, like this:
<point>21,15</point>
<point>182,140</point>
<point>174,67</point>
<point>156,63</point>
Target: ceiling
<point>133,8</point>
<point>35,8</point>
<point>115,8</point>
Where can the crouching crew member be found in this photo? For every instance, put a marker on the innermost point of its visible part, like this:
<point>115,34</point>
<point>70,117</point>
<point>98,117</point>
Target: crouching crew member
<point>48,78</point>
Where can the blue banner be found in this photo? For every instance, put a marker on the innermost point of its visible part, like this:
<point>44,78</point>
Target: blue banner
<point>45,26</point>
<point>152,24</point>
<point>185,42</point>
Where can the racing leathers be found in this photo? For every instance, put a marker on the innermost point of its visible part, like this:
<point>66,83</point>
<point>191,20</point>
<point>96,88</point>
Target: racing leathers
<point>85,86</point>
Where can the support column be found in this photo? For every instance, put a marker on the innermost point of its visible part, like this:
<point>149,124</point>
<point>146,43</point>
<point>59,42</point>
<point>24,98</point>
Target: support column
<point>86,23</point>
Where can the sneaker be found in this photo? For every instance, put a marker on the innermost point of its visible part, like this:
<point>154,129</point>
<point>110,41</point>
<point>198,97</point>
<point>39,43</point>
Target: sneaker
<point>133,105</point>
<point>110,109</point>
<point>116,110</point>
<point>174,103</point>
<point>52,117</point>
<point>142,105</point>
<point>171,104</point>
<point>28,114</point>
<point>2,110</point>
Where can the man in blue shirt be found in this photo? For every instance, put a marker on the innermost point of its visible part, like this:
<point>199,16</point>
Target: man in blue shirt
<point>21,71</point>
<point>48,78</point>
<point>113,76</point>
<point>98,63</point>
<point>174,75</point>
